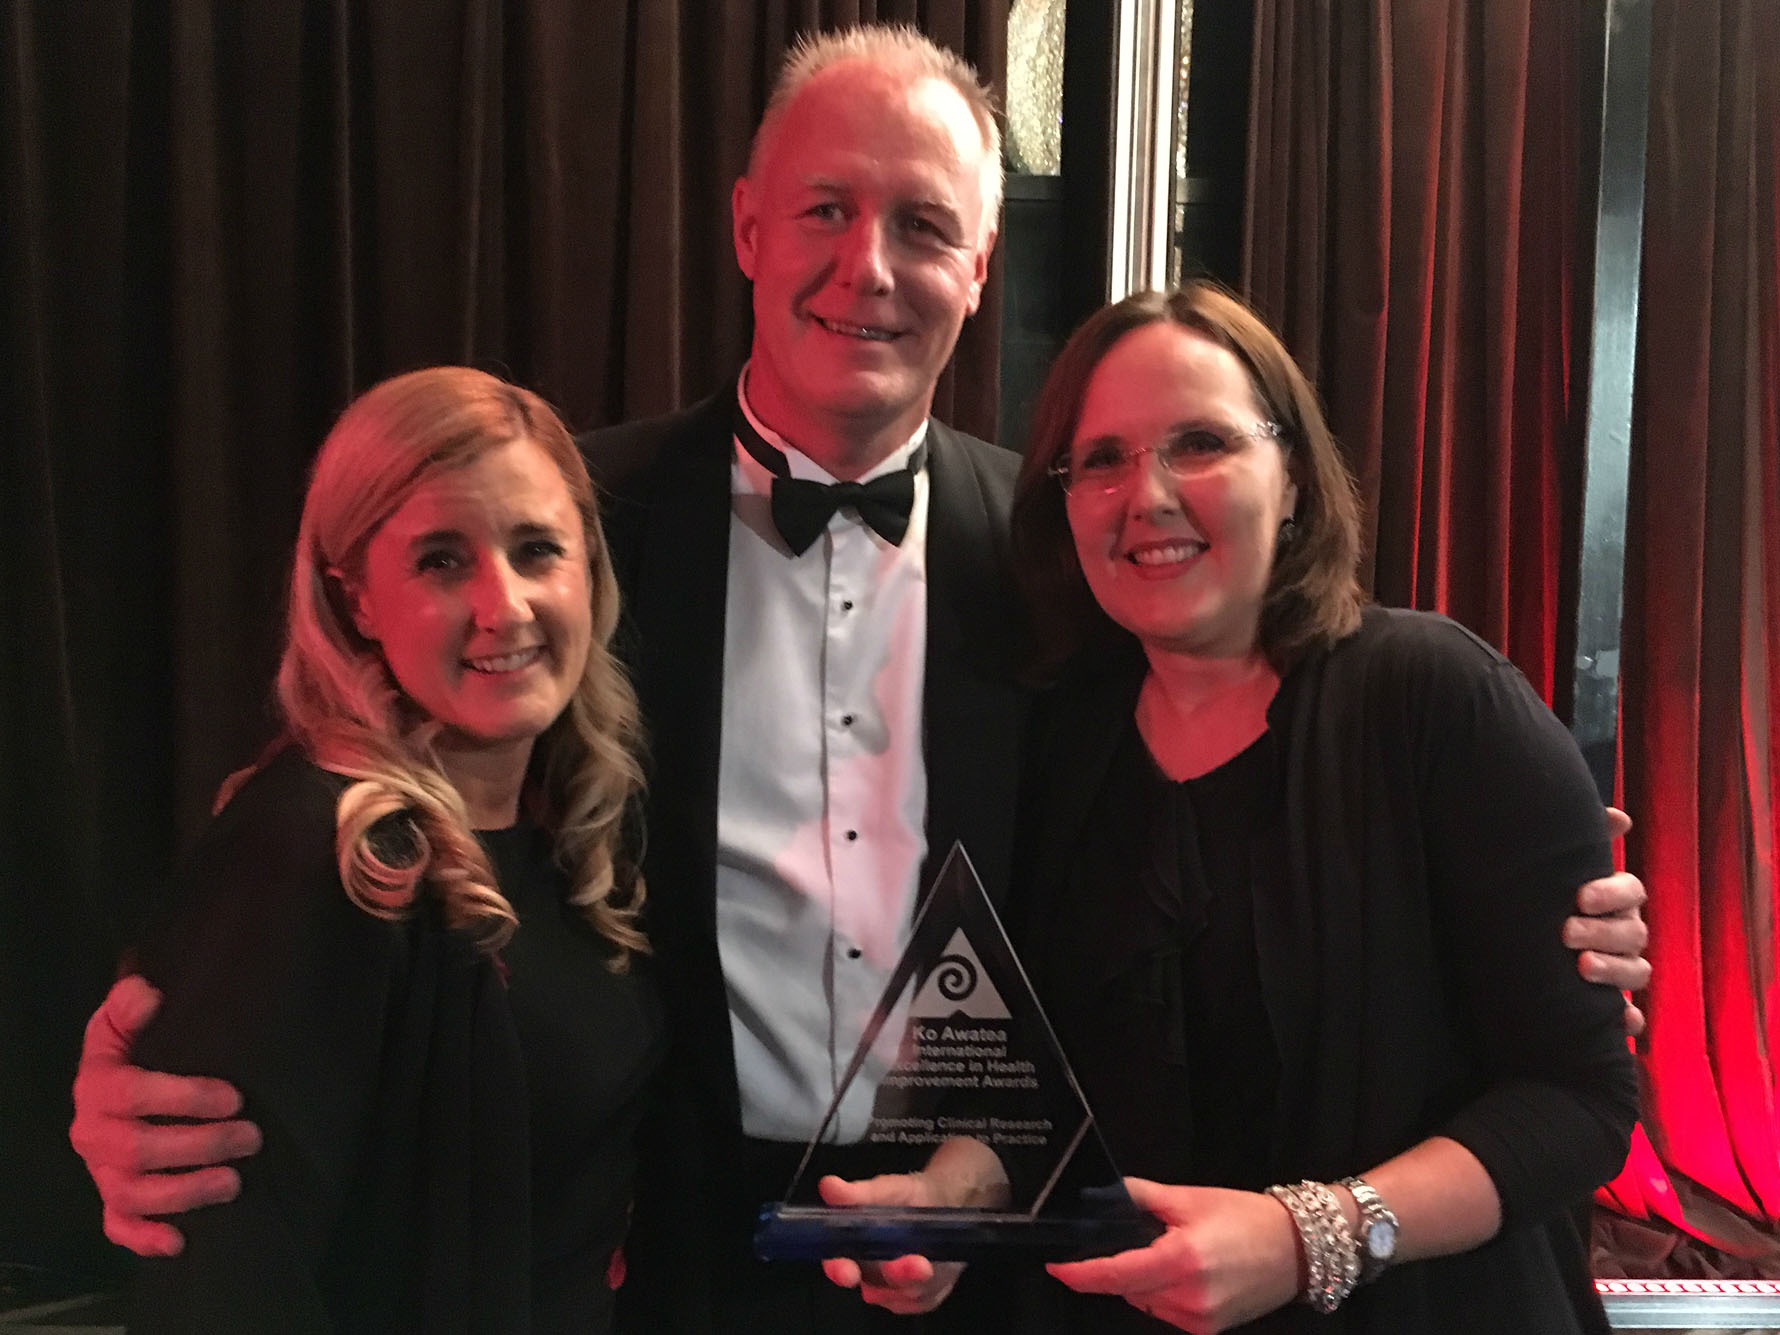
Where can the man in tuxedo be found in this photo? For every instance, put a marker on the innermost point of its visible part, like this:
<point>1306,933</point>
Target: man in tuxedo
<point>828,674</point>
<point>823,634</point>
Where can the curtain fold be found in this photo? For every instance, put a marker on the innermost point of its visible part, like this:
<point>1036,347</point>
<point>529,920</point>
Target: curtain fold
<point>222,219</point>
<point>1411,225</point>
<point>69,522</point>
<point>1415,231</point>
<point>1702,666</point>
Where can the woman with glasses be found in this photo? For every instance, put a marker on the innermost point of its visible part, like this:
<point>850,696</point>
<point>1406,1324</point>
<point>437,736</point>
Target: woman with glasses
<point>1289,882</point>
<point>1294,873</point>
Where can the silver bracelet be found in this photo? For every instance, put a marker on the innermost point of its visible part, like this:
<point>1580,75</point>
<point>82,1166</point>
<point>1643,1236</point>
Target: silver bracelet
<point>1331,1256</point>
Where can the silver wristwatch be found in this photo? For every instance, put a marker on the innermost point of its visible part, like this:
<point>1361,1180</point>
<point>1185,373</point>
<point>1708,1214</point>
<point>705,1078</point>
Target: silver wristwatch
<point>1377,1233</point>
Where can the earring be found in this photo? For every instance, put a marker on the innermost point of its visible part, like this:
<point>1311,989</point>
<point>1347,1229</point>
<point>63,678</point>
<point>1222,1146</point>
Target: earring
<point>1288,530</point>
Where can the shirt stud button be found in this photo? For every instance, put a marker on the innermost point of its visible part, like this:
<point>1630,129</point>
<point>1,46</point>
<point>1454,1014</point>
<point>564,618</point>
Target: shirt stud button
<point>854,952</point>
<point>852,835</point>
<point>846,720</point>
<point>846,604</point>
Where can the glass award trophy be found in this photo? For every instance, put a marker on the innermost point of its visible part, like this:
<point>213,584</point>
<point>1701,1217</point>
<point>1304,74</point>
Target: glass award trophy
<point>959,1048</point>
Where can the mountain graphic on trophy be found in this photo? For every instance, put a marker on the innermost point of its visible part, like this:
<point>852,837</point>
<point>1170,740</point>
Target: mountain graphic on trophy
<point>959,1051</point>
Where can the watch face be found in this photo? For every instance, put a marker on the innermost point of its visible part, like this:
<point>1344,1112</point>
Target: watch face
<point>1381,1240</point>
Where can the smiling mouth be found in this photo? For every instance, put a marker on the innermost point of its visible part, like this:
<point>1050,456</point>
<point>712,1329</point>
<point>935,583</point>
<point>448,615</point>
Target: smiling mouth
<point>868,333</point>
<point>497,663</point>
<point>1165,553</point>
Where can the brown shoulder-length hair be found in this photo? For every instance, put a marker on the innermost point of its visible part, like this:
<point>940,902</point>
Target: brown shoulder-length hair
<point>1313,592</point>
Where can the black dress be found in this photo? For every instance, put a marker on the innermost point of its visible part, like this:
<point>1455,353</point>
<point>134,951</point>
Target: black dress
<point>445,1149</point>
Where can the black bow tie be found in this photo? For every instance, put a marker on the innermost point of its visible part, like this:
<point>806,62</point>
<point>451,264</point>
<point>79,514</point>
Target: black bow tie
<point>802,507</point>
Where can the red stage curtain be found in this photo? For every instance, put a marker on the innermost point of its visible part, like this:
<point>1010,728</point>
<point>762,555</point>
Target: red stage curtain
<point>1701,758</point>
<point>1415,231</point>
<point>1412,231</point>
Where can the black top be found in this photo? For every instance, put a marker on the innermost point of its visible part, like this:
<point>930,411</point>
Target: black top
<point>383,1061</point>
<point>1417,826</point>
<point>1185,1030</point>
<point>1231,1067</point>
<point>592,1040</point>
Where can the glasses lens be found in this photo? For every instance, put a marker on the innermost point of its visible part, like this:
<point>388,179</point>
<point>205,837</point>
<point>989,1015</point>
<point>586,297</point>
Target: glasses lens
<point>1103,467</point>
<point>1189,450</point>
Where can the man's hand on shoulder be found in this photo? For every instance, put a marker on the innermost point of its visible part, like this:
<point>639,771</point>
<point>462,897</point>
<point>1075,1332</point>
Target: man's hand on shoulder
<point>145,1168</point>
<point>1608,930</point>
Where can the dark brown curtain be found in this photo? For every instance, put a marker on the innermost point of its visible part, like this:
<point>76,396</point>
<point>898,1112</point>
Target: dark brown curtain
<point>219,221</point>
<point>1415,231</point>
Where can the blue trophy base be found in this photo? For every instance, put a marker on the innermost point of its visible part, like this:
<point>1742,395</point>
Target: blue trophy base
<point>882,1233</point>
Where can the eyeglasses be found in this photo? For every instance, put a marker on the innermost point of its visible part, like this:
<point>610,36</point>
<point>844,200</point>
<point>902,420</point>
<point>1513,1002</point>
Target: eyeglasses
<point>1105,468</point>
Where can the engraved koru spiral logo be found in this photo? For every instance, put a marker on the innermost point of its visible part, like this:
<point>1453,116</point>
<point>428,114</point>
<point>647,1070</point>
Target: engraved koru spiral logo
<point>955,976</point>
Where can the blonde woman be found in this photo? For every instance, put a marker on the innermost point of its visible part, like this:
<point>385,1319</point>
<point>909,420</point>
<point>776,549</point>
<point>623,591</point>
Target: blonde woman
<point>410,936</point>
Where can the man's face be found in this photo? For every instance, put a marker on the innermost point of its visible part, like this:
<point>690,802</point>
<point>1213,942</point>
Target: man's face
<point>862,229</point>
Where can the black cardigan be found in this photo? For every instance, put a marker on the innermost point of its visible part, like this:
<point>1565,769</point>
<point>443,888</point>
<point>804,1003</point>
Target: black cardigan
<point>381,1063</point>
<point>1434,822</point>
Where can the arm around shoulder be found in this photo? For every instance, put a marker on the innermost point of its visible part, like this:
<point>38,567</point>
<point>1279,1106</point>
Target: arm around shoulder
<point>276,982</point>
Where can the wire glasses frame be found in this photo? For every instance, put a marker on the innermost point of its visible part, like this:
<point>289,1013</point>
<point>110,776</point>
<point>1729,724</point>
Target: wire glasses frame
<point>1108,471</point>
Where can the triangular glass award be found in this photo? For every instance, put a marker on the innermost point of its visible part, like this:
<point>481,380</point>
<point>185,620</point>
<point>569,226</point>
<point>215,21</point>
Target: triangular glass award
<point>959,1048</point>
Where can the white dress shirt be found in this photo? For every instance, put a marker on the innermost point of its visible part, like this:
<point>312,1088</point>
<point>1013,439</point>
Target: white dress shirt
<point>822,793</point>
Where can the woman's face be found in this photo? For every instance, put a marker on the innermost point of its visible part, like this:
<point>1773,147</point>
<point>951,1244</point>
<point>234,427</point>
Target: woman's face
<point>1177,544</point>
<point>477,591</point>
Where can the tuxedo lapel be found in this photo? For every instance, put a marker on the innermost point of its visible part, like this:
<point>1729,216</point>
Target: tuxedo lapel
<point>972,711</point>
<point>677,597</point>
<point>674,565</point>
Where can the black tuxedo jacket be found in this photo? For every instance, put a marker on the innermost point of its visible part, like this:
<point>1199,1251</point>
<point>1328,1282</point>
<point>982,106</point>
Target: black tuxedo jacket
<point>666,485</point>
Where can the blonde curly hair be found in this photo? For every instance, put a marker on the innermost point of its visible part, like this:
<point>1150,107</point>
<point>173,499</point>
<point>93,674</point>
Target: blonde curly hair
<point>402,828</point>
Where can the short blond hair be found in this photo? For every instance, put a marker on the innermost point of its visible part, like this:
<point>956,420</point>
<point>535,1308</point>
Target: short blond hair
<point>898,49</point>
